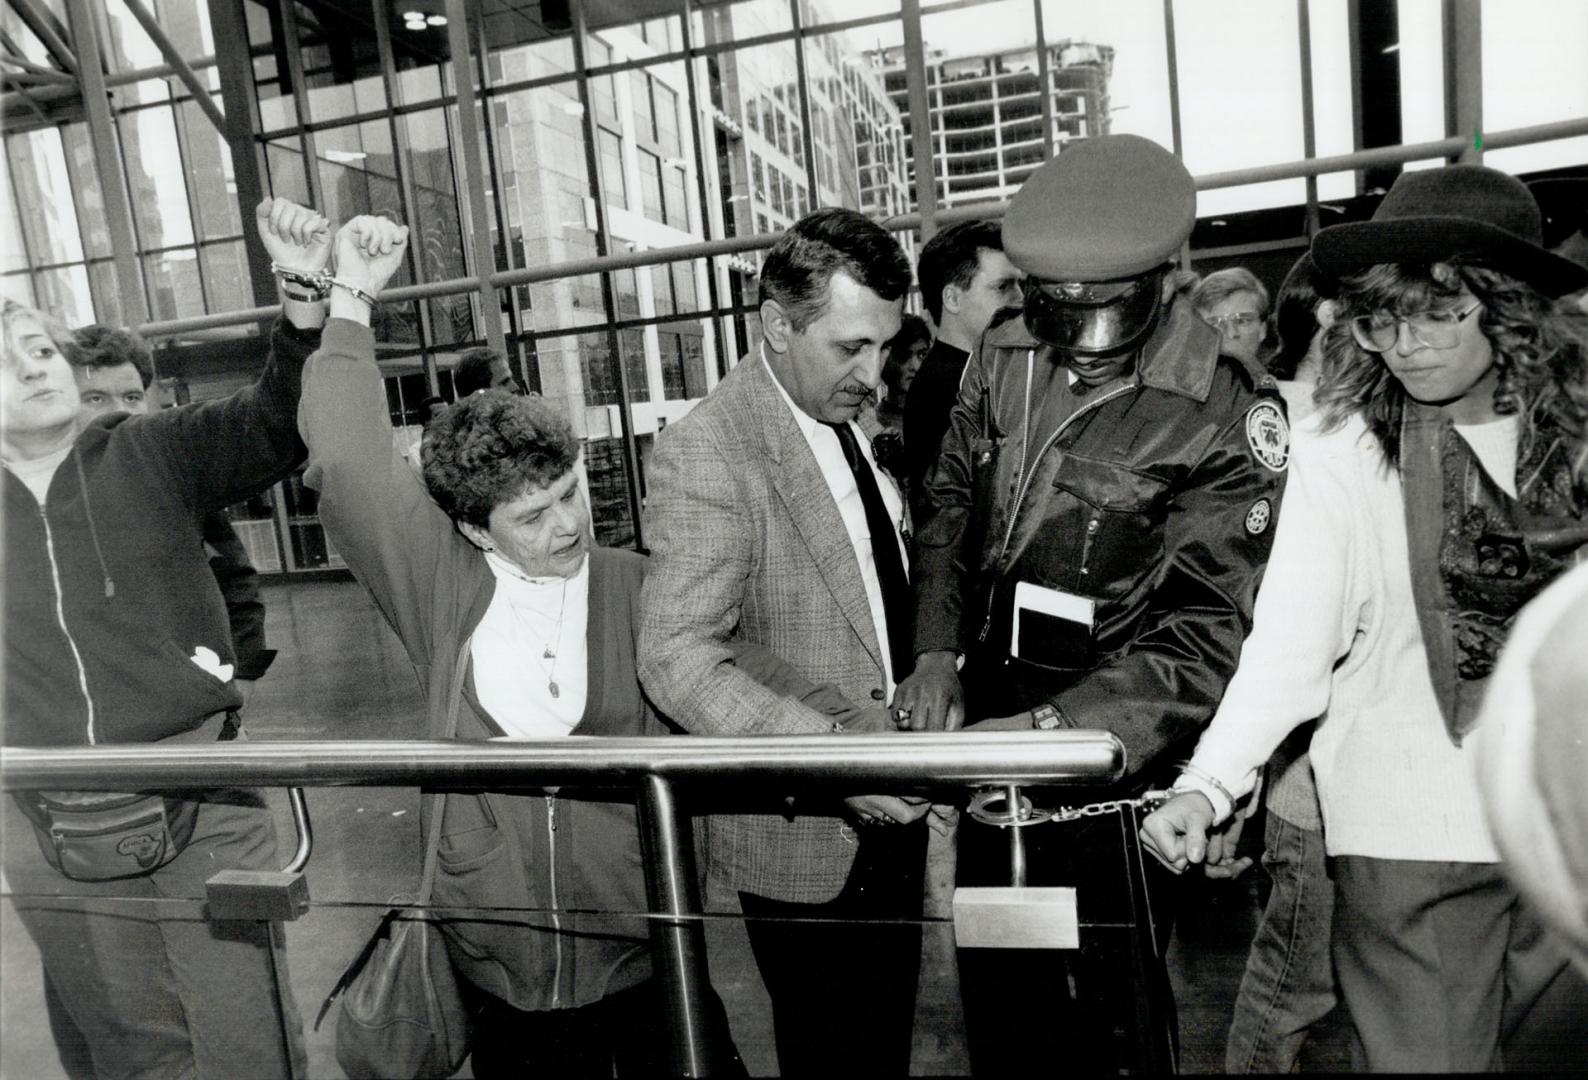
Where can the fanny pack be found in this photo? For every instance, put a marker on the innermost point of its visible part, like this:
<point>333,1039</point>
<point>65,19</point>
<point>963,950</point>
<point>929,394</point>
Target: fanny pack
<point>102,835</point>
<point>105,835</point>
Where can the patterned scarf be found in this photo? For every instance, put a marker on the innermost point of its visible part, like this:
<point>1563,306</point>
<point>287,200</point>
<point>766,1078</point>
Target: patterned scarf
<point>1490,553</point>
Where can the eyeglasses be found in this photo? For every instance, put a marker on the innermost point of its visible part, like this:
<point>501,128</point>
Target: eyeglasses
<point>1380,331</point>
<point>1230,324</point>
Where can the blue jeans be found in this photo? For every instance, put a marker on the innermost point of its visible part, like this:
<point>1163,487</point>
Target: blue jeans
<point>1289,983</point>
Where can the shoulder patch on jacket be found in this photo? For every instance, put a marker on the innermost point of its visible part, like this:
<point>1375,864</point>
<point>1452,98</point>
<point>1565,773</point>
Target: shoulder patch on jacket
<point>1268,435</point>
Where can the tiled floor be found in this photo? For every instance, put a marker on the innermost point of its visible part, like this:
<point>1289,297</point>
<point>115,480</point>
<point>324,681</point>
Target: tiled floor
<point>340,674</point>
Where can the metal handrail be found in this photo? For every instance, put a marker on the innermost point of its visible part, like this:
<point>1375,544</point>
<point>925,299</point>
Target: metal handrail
<point>649,765</point>
<point>502,279</point>
<point>814,761</point>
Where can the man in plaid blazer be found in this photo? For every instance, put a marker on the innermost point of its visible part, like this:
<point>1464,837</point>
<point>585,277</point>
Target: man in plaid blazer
<point>770,523</point>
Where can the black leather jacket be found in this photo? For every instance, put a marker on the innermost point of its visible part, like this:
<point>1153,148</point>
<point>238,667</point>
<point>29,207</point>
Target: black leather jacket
<point>1149,496</point>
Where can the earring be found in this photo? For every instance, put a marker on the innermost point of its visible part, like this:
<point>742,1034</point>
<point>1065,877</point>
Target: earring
<point>488,547</point>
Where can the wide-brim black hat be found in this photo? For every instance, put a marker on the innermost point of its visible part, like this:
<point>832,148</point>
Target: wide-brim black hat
<point>1563,200</point>
<point>1460,210</point>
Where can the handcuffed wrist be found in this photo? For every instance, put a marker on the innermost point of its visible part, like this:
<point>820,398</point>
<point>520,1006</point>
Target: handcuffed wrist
<point>305,285</point>
<point>1210,787</point>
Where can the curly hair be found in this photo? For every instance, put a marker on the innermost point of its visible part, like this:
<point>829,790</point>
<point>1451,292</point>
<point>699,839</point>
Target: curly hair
<point>1540,348</point>
<point>490,448</point>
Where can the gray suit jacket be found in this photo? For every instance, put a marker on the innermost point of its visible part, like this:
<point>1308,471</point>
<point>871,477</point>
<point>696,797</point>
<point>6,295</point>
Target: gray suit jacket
<point>747,544</point>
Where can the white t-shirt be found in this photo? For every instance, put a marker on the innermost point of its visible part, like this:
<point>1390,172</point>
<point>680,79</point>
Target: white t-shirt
<point>37,474</point>
<point>1494,444</point>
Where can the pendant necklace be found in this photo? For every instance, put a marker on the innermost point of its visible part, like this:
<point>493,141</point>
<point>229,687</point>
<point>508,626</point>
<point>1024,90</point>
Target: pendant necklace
<point>550,653</point>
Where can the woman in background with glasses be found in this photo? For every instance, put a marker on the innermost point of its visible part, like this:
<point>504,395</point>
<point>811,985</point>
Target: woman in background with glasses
<point>1234,303</point>
<point>1442,484</point>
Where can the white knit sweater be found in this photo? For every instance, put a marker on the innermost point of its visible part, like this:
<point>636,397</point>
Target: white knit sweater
<point>1335,635</point>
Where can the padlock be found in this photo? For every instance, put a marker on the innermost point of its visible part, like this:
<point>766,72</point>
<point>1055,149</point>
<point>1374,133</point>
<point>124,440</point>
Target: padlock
<point>280,895</point>
<point>1008,917</point>
<point>1014,916</point>
<point>257,895</point>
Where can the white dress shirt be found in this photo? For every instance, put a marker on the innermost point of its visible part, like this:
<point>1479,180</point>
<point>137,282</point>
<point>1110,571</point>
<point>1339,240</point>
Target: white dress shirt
<point>846,494</point>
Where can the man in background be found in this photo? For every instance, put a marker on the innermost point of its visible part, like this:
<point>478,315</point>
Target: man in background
<point>114,369</point>
<point>965,279</point>
<point>482,369</point>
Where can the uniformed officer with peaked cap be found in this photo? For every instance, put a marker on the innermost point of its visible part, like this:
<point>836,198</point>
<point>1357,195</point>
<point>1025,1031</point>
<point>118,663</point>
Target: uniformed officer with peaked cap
<point>1093,537</point>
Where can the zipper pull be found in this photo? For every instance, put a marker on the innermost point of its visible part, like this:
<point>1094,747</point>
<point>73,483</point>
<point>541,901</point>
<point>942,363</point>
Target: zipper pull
<point>551,812</point>
<point>986,412</point>
<point>985,627</point>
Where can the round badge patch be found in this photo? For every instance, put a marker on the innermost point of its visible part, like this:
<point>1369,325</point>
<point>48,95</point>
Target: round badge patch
<point>1268,435</point>
<point>1258,517</point>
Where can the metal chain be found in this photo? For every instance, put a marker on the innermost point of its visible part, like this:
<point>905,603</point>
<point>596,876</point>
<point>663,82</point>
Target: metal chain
<point>1027,814</point>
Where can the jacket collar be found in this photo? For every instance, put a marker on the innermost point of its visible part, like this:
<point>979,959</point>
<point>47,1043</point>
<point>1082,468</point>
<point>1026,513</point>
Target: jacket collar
<point>1180,356</point>
<point>767,416</point>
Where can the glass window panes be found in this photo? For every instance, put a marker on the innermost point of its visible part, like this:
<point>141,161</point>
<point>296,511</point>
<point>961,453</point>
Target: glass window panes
<point>285,160</point>
<point>209,168</point>
<point>1333,126</point>
<point>418,54</point>
<point>519,48</point>
<point>63,292</point>
<point>175,288</point>
<point>603,88</point>
<point>635,365</point>
<point>1222,128</point>
<point>358,173</point>
<point>625,291</point>
<point>662,290</point>
<point>613,176</point>
<point>609,492</point>
<point>226,281</point>
<point>437,242</point>
<point>127,47</point>
<point>341,65</point>
<point>12,254</point>
<point>81,168</point>
<point>666,103</point>
<point>651,186</point>
<point>672,350</point>
<point>18,287</point>
<point>1422,58</point>
<point>153,162</point>
<point>595,362</point>
<point>1533,74</point>
<point>641,105</point>
<point>675,199</point>
<point>684,286</point>
<point>39,179</point>
<point>106,292</point>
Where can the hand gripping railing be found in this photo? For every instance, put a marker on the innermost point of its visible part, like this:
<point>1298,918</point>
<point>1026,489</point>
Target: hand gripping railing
<point>850,764</point>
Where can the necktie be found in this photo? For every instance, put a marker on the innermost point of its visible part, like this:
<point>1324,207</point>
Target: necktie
<point>897,603</point>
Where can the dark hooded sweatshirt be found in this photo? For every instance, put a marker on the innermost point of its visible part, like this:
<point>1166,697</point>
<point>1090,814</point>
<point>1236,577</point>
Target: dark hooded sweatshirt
<point>108,588</point>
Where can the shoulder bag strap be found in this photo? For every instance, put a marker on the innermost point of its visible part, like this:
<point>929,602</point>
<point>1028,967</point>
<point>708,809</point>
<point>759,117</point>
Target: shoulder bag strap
<point>439,801</point>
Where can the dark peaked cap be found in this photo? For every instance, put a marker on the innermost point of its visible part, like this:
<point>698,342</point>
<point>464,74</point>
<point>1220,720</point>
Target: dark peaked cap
<point>1108,207</point>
